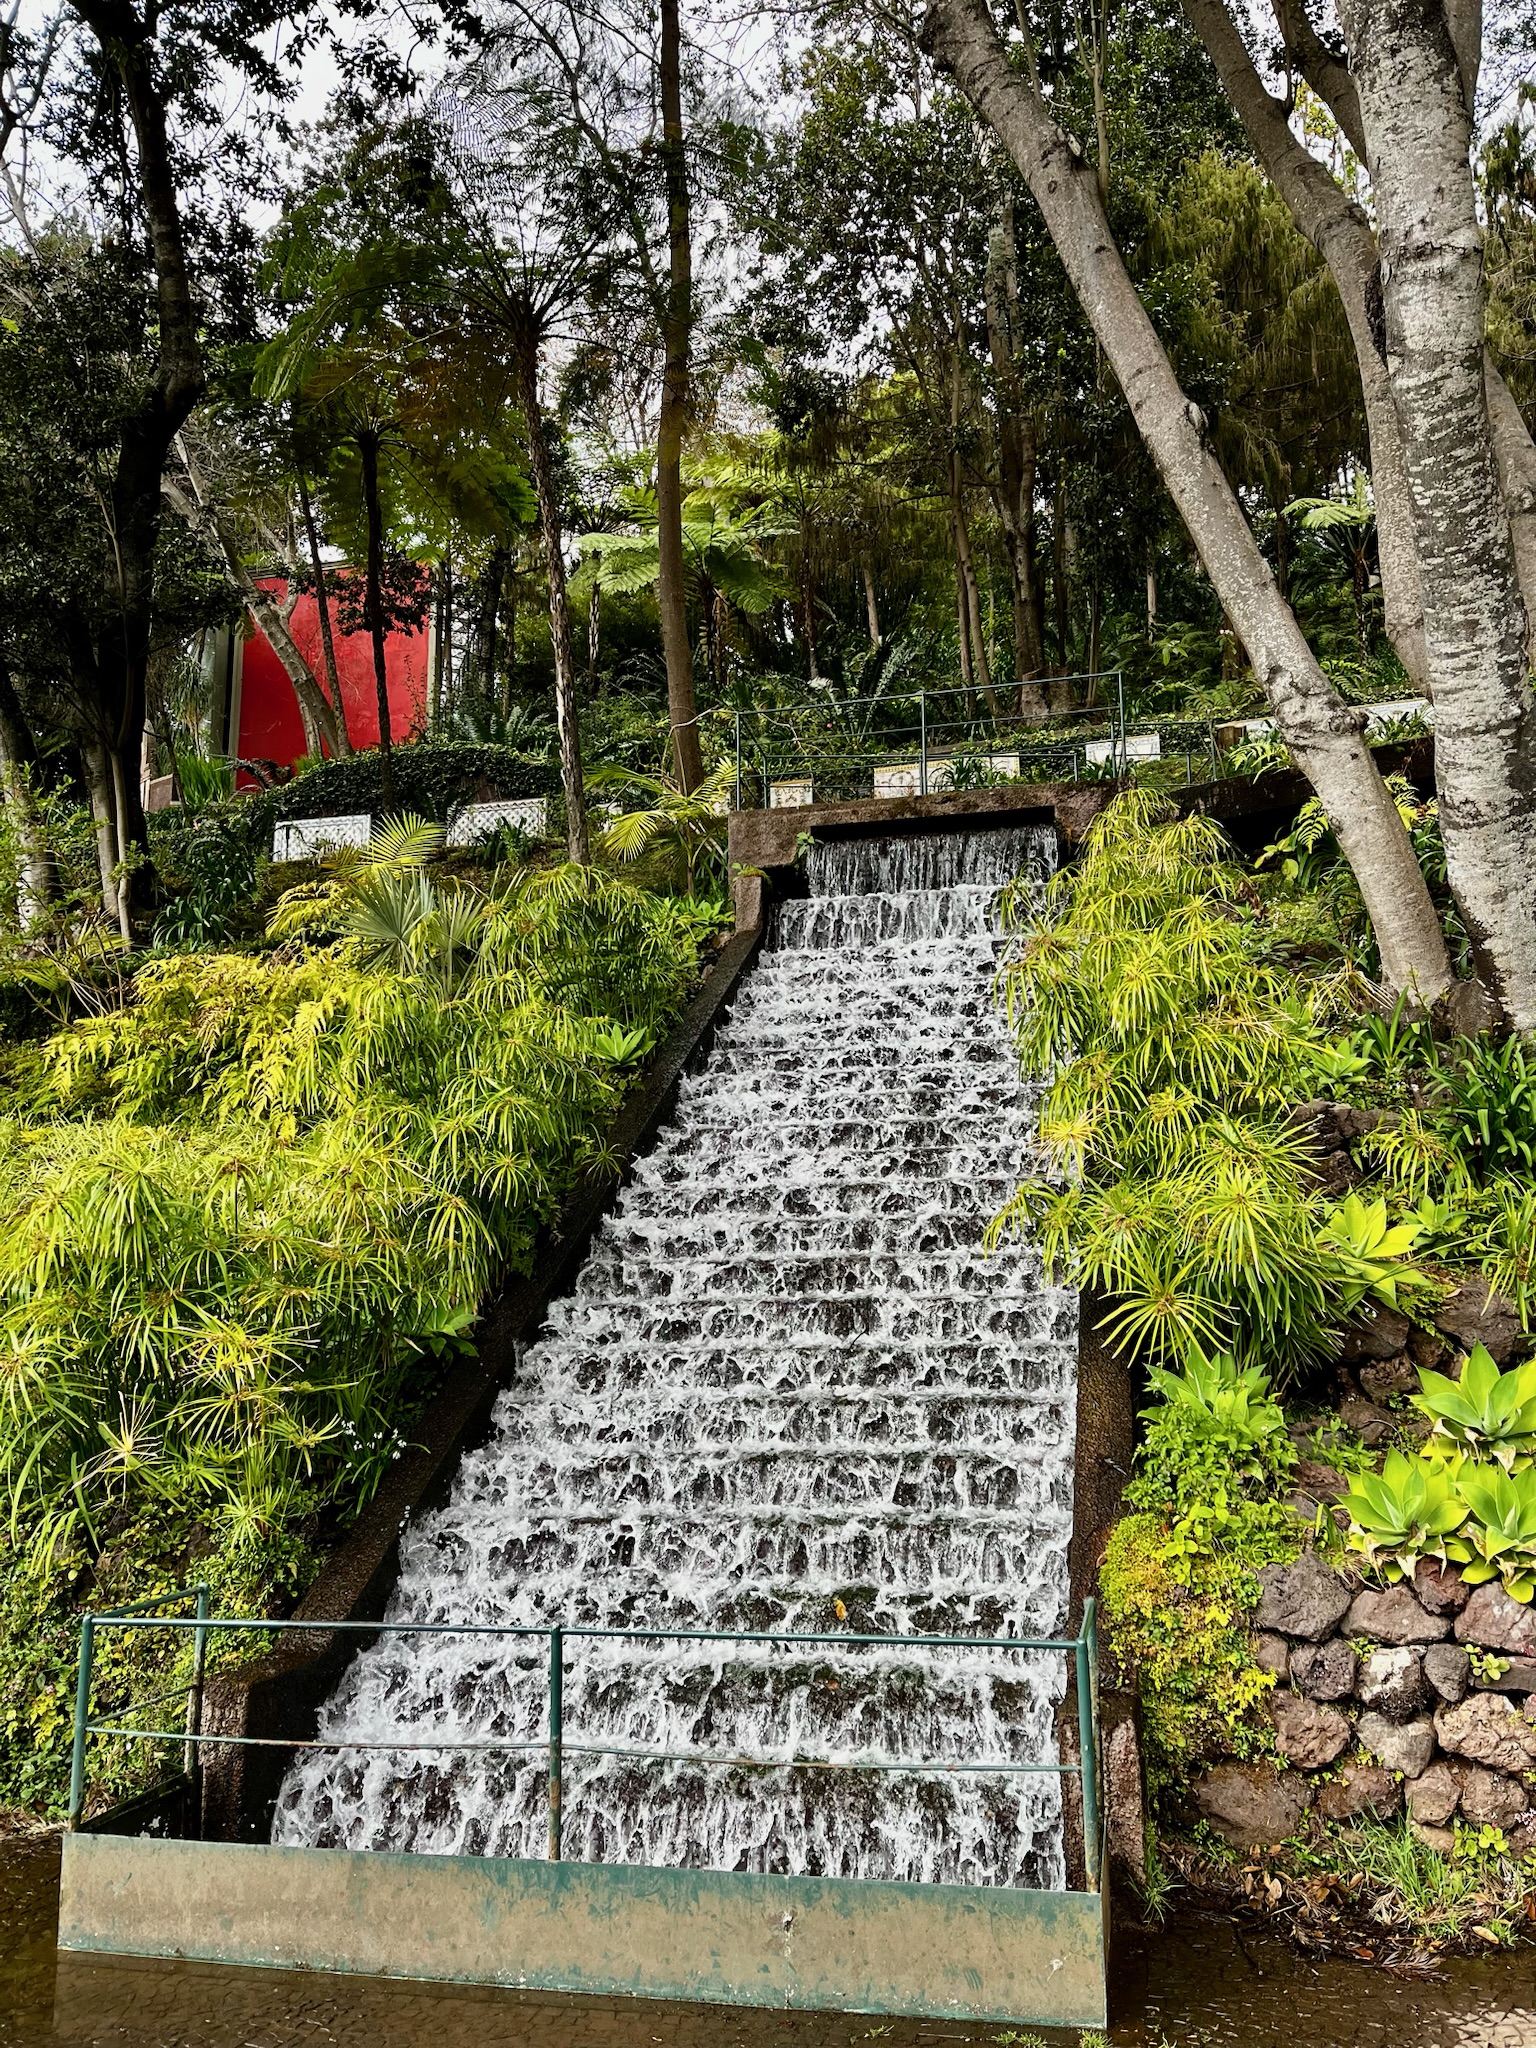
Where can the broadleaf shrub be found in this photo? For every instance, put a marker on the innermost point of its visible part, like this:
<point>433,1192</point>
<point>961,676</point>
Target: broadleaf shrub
<point>436,777</point>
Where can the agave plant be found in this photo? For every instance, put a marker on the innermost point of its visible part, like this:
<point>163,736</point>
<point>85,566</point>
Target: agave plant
<point>1408,1510</point>
<point>1218,1399</point>
<point>1369,1255</point>
<point>1486,1411</point>
<point>1499,1539</point>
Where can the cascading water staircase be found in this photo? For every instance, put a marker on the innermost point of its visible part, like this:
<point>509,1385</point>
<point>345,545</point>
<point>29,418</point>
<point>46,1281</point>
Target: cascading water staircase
<point>792,1394</point>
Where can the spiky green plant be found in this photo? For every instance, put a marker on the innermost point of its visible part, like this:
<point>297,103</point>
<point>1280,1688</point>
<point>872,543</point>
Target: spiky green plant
<point>1146,991</point>
<point>242,1217</point>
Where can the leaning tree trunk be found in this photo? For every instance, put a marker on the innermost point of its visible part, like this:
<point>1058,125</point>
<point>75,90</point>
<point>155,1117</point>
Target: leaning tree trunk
<point>368,452</point>
<point>1415,113</point>
<point>1516,457</point>
<point>559,602</point>
<point>1339,231</point>
<point>677,334</point>
<point>1322,732</point>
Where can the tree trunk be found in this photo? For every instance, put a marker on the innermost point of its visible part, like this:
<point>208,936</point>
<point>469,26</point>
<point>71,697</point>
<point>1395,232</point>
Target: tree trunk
<point>368,452</point>
<point>962,610</point>
<point>559,604</point>
<point>594,632</point>
<point>202,512</point>
<point>1339,231</point>
<point>1410,85</point>
<point>677,335</point>
<point>341,737</point>
<point>96,766</point>
<point>871,603</point>
<point>1015,493</point>
<point>482,645</point>
<point>1516,458</point>
<point>439,640</point>
<point>127,43</point>
<point>980,664</point>
<point>38,886</point>
<point>1323,734</point>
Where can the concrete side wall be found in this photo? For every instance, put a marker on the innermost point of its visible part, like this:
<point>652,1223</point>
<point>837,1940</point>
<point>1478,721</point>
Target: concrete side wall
<point>1033,1958</point>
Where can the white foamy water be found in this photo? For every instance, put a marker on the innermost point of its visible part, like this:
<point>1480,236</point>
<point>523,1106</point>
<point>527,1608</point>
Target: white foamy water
<point>790,1392</point>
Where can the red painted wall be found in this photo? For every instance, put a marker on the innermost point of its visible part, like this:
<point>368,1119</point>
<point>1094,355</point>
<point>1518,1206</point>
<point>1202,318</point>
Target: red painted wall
<point>270,726</point>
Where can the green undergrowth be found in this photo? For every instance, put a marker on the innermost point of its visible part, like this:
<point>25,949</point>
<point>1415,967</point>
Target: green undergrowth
<point>1160,993</point>
<point>1372,1888</point>
<point>248,1217</point>
<point>1206,1512</point>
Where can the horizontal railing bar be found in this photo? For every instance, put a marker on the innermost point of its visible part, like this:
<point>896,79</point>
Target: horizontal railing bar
<point>668,1635</point>
<point>658,1756</point>
<point>143,1606</point>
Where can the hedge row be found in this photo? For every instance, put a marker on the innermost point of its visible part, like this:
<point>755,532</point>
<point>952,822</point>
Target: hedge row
<point>432,777</point>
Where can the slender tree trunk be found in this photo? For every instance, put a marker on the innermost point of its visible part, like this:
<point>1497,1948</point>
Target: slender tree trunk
<point>368,452</point>
<point>962,610</point>
<point>981,665</point>
<point>1323,734</point>
<point>677,334</point>
<point>127,40</point>
<point>1339,231</point>
<point>341,738</point>
<point>1015,493</point>
<point>199,508</point>
<point>482,645</point>
<point>1410,84</point>
<point>871,602</point>
<point>38,887</point>
<point>439,635</point>
<point>96,766</point>
<point>559,604</point>
<point>1516,458</point>
<point>594,632</point>
<point>808,605</point>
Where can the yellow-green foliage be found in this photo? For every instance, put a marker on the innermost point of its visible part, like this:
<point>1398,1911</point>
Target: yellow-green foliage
<point>238,1215</point>
<point>1154,993</point>
<point>1181,1615</point>
<point>1178,1580</point>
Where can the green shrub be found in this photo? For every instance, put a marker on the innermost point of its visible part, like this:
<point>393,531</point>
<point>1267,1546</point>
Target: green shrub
<point>242,1217</point>
<point>1178,1580</point>
<point>432,776</point>
<point>1153,992</point>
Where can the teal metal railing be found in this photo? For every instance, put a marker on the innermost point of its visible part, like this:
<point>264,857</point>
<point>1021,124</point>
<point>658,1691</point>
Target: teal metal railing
<point>1082,1649</point>
<point>917,743</point>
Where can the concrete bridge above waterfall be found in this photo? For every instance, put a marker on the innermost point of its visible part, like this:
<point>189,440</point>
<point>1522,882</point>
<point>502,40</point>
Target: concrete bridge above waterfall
<point>724,1636</point>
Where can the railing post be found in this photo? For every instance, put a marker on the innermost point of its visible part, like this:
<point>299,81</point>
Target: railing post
<point>1087,1738</point>
<point>556,1719</point>
<point>1125,752</point>
<point>82,1715</point>
<point>739,804</point>
<point>192,1750</point>
<point>922,718</point>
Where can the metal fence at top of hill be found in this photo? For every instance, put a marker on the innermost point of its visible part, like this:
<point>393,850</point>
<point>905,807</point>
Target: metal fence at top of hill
<point>921,742</point>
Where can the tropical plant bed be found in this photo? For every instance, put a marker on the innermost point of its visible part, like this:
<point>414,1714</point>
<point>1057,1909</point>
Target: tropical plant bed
<point>1313,1217</point>
<point>249,1214</point>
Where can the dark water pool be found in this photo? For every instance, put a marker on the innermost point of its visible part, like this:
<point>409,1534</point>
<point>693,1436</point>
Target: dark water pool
<point>1199,1983</point>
